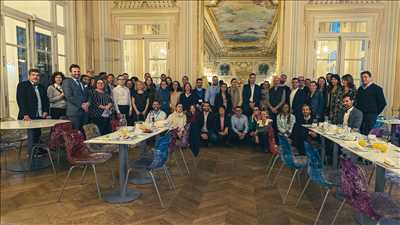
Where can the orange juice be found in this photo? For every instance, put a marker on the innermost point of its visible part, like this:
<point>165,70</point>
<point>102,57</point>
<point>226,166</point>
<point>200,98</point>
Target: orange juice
<point>362,142</point>
<point>380,146</point>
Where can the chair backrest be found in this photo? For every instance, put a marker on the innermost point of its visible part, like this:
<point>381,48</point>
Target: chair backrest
<point>74,145</point>
<point>286,153</point>
<point>273,147</point>
<point>161,151</point>
<point>355,188</point>
<point>56,135</point>
<point>91,130</point>
<point>185,137</point>
<point>315,166</point>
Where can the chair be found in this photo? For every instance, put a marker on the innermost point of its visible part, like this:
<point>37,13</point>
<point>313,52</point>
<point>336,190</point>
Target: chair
<point>79,156</point>
<point>178,144</point>
<point>92,131</point>
<point>158,164</point>
<point>56,142</point>
<point>354,186</point>
<point>273,160</point>
<point>292,162</point>
<point>316,175</point>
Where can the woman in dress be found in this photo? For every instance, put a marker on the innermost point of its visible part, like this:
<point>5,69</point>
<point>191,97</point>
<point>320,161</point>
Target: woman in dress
<point>175,93</point>
<point>265,135</point>
<point>348,86</point>
<point>56,96</point>
<point>140,102</point>
<point>100,108</point>
<point>335,99</point>
<point>186,98</point>
<point>316,101</point>
<point>323,88</point>
<point>150,88</point>
<point>223,98</point>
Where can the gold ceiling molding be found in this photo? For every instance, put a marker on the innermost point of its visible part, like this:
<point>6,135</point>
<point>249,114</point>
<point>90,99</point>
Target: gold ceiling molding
<point>329,2</point>
<point>139,4</point>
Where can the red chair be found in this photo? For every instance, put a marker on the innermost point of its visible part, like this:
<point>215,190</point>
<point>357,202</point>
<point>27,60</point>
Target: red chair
<point>56,142</point>
<point>79,156</point>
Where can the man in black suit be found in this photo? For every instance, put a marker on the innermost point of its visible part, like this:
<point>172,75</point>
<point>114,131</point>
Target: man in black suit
<point>206,122</point>
<point>251,95</point>
<point>283,79</point>
<point>370,100</point>
<point>351,117</point>
<point>32,103</point>
<point>298,97</point>
<point>76,96</point>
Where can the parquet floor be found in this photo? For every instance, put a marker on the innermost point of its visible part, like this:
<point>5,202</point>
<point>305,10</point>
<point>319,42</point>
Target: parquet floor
<point>228,187</point>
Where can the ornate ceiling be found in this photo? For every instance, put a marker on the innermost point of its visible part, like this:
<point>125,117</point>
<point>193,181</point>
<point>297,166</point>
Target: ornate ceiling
<point>245,26</point>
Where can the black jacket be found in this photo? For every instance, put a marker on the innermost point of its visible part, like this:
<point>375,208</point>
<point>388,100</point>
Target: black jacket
<point>27,100</point>
<point>370,100</point>
<point>210,121</point>
<point>219,101</point>
<point>247,93</point>
<point>300,98</point>
<point>217,123</point>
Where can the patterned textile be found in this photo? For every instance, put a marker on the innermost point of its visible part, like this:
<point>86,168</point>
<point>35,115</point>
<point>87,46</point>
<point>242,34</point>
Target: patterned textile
<point>355,189</point>
<point>177,142</point>
<point>384,206</point>
<point>315,167</point>
<point>392,177</point>
<point>287,157</point>
<point>56,135</point>
<point>161,152</point>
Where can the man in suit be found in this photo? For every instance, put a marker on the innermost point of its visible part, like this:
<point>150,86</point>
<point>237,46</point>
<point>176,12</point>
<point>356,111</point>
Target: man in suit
<point>76,96</point>
<point>206,123</point>
<point>282,82</point>
<point>298,97</point>
<point>199,92</point>
<point>32,103</point>
<point>370,100</point>
<point>351,117</point>
<point>251,95</point>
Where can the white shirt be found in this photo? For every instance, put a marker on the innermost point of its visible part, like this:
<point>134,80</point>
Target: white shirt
<point>121,96</point>
<point>204,128</point>
<point>346,117</point>
<point>292,94</point>
<point>252,87</point>
<point>157,115</point>
<point>39,99</point>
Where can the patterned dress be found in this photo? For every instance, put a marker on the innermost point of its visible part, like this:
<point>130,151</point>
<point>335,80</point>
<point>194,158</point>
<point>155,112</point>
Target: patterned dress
<point>335,104</point>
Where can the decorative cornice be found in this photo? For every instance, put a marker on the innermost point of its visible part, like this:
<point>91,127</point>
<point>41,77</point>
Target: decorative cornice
<point>142,4</point>
<point>330,2</point>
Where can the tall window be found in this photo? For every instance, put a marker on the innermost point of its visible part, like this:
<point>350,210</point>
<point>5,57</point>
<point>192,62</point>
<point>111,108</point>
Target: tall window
<point>35,34</point>
<point>145,49</point>
<point>341,47</point>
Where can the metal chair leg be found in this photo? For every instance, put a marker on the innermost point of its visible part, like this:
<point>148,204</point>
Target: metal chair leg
<point>83,175</point>
<point>97,182</point>
<point>184,161</point>
<point>170,178</point>
<point>303,191</point>
<point>338,211</point>
<point>113,176</point>
<point>277,174</point>
<point>271,168</point>
<point>65,183</point>
<point>127,178</point>
<point>178,164</point>
<point>156,187</point>
<point>371,175</point>
<point>290,185</point>
<point>51,161</point>
<point>322,206</point>
<point>390,189</point>
<point>166,176</point>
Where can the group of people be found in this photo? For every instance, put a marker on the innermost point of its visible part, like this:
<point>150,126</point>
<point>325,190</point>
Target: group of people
<point>208,113</point>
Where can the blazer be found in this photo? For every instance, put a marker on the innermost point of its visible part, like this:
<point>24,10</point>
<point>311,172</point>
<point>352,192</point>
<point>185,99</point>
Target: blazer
<point>217,122</point>
<point>219,101</point>
<point>355,118</point>
<point>27,100</point>
<point>317,104</point>
<point>299,100</point>
<point>247,93</point>
<point>210,121</point>
<point>74,96</point>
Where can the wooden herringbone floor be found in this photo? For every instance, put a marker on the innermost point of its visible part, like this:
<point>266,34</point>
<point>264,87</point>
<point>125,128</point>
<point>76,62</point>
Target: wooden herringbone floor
<point>228,187</point>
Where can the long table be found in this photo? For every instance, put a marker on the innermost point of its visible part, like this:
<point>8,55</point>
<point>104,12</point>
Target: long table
<point>122,195</point>
<point>375,156</point>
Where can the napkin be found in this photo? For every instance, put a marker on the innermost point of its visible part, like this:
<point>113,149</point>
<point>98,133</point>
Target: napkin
<point>392,163</point>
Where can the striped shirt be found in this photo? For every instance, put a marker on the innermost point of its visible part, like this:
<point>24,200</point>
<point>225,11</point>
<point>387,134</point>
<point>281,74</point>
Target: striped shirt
<point>97,99</point>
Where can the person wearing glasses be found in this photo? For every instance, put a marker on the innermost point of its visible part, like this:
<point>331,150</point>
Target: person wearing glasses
<point>122,98</point>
